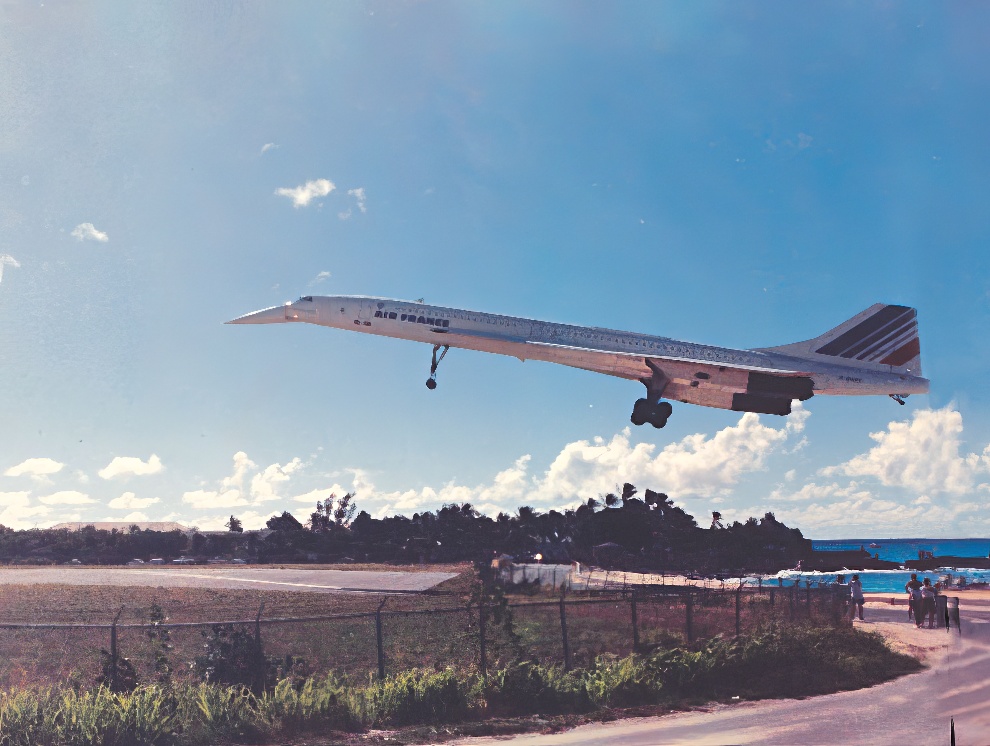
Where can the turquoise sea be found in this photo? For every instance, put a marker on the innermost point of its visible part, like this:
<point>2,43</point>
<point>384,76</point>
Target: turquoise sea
<point>898,550</point>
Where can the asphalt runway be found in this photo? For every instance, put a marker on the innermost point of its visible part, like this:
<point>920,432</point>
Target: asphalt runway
<point>231,577</point>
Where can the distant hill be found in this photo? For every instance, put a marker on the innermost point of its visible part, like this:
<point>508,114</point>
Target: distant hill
<point>125,526</point>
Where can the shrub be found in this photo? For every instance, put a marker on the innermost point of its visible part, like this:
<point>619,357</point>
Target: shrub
<point>528,687</point>
<point>233,656</point>
<point>415,696</point>
<point>316,703</point>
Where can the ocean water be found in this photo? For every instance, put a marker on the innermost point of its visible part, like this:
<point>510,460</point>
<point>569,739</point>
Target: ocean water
<point>900,550</point>
<point>895,550</point>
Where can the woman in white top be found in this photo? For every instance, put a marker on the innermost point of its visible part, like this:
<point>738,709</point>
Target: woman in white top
<point>856,595</point>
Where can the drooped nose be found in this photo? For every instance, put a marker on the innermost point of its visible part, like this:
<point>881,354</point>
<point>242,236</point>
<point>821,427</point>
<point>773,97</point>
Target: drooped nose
<point>273,315</point>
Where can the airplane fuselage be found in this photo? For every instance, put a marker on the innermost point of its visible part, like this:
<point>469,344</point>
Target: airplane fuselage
<point>696,373</point>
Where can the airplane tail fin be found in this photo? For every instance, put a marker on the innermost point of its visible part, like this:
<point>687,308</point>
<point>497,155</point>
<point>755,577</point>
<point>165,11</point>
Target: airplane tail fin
<point>882,334</point>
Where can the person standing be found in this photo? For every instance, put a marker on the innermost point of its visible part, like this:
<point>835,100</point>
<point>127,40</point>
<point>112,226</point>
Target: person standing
<point>856,595</point>
<point>928,593</point>
<point>913,587</point>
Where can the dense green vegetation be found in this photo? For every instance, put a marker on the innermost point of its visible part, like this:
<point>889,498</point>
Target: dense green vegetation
<point>622,531</point>
<point>778,661</point>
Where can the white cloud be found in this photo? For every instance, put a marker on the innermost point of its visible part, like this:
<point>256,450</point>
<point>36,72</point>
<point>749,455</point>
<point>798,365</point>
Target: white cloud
<point>88,232</point>
<point>922,455</point>
<point>697,465</point>
<point>268,146</point>
<point>321,277</point>
<point>38,468</point>
<point>128,501</point>
<point>67,497</point>
<point>207,499</point>
<point>135,516</point>
<point>303,195</point>
<point>6,260</point>
<point>812,491</point>
<point>17,510</point>
<point>264,485</point>
<point>242,465</point>
<point>361,198</point>
<point>242,487</point>
<point>250,519</point>
<point>862,514</point>
<point>125,466</point>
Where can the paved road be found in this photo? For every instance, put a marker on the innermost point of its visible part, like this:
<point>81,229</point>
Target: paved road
<point>231,576</point>
<point>911,710</point>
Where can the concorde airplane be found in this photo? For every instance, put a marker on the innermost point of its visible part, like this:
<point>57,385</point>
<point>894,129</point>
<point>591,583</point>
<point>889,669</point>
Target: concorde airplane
<point>874,352</point>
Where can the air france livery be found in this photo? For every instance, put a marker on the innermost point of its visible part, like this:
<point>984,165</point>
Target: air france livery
<point>875,352</point>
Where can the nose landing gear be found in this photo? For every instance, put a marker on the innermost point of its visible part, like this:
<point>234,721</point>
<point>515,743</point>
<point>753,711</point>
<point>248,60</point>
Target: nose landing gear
<point>431,382</point>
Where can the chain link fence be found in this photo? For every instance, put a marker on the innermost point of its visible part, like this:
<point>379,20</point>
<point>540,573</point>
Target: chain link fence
<point>570,630</point>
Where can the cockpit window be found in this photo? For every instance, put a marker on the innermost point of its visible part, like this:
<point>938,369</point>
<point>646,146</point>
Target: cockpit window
<point>306,297</point>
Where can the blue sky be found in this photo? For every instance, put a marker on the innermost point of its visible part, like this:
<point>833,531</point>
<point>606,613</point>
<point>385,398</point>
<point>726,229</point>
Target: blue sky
<point>743,174</point>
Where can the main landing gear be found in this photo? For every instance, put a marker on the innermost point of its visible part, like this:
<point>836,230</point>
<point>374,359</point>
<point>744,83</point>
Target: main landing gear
<point>651,409</point>
<point>646,411</point>
<point>431,382</point>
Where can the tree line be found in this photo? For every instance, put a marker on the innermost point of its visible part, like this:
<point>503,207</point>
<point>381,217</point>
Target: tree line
<point>622,530</point>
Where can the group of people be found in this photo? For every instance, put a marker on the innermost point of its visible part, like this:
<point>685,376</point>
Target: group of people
<point>921,599</point>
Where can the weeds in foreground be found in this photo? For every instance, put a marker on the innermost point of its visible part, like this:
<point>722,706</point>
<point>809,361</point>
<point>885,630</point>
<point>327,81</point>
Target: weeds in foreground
<point>792,661</point>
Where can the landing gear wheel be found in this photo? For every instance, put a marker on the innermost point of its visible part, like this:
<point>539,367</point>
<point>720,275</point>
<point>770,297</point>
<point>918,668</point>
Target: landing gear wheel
<point>641,412</point>
<point>431,384</point>
<point>656,414</point>
<point>658,420</point>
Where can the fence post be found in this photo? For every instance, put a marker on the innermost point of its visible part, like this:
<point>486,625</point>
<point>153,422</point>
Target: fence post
<point>563,634</point>
<point>378,636</point>
<point>688,614</point>
<point>635,624</point>
<point>772,596</point>
<point>113,651</point>
<point>257,625</point>
<point>738,611</point>
<point>481,637</point>
<point>790,601</point>
<point>807,592</point>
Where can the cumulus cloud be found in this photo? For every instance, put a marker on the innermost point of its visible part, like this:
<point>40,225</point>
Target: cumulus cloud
<point>922,455</point>
<point>88,232</point>
<point>206,499</point>
<point>250,519</point>
<point>67,497</point>
<point>862,514</point>
<point>6,260</point>
<point>264,485</point>
<point>321,277</point>
<point>268,146</point>
<point>242,487</point>
<point>128,501</point>
<point>697,465</point>
<point>812,491</point>
<point>16,510</point>
<point>126,466</point>
<point>242,465</point>
<point>38,468</point>
<point>303,195</point>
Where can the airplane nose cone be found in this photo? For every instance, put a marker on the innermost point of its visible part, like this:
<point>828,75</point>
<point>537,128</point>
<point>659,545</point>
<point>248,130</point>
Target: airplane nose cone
<point>273,315</point>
